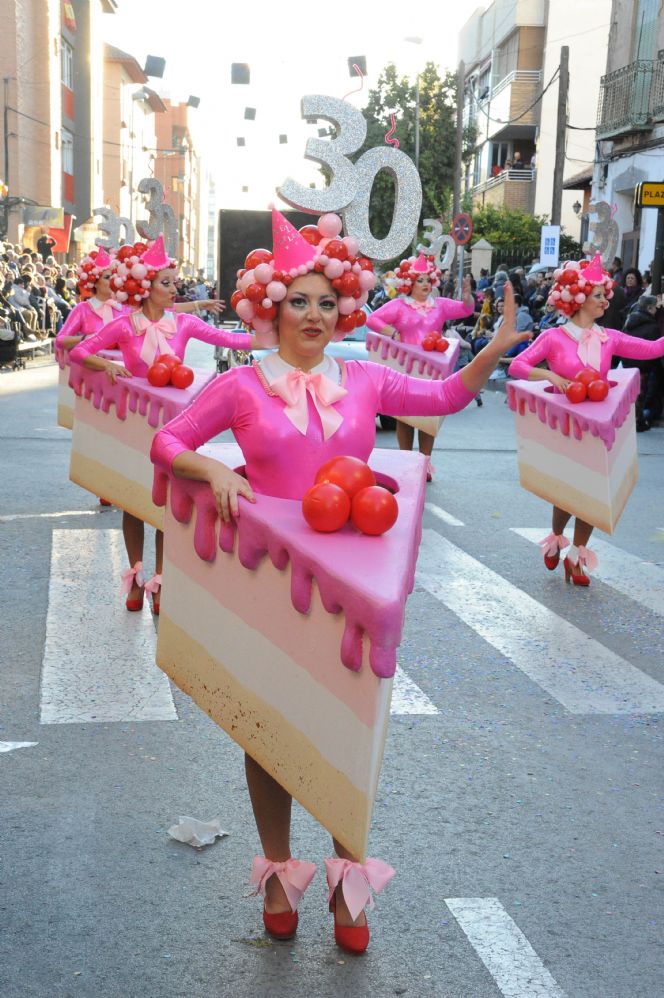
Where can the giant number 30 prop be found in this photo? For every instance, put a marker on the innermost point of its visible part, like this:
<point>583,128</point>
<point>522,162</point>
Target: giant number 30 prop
<point>350,185</point>
<point>162,219</point>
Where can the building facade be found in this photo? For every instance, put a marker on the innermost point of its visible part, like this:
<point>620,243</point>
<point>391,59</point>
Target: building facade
<point>630,132</point>
<point>177,167</point>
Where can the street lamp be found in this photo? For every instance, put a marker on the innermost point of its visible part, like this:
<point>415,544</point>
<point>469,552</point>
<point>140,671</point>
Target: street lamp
<point>576,207</point>
<point>416,40</point>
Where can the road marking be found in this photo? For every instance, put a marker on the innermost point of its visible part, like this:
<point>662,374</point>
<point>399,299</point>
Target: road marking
<point>98,659</point>
<point>10,746</point>
<point>408,698</point>
<point>639,580</point>
<point>503,949</point>
<point>443,515</point>
<point>49,516</point>
<point>585,676</point>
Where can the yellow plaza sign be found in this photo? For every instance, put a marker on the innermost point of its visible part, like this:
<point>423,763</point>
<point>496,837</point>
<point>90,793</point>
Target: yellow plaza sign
<point>650,195</point>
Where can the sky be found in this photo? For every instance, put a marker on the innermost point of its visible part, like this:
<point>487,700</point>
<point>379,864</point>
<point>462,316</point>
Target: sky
<point>293,49</point>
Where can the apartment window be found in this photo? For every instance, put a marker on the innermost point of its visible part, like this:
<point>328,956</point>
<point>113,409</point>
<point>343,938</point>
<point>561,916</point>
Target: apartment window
<point>645,29</point>
<point>507,57</point>
<point>67,54</point>
<point>67,151</point>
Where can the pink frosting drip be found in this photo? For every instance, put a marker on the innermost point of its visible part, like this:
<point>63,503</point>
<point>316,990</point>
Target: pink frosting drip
<point>159,405</point>
<point>62,356</point>
<point>368,579</point>
<point>426,363</point>
<point>601,419</point>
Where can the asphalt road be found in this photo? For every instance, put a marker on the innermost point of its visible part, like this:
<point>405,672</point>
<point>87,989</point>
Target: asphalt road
<point>524,816</point>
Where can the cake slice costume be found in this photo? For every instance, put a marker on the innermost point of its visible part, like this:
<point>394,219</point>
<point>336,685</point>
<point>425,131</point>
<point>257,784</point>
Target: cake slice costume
<point>286,637</point>
<point>581,457</point>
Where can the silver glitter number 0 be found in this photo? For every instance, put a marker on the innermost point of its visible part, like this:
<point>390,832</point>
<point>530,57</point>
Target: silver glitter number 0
<point>350,186</point>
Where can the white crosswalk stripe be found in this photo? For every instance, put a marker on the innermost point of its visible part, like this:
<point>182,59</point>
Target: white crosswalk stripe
<point>98,660</point>
<point>639,580</point>
<point>583,675</point>
<point>408,698</point>
<point>443,515</point>
<point>503,949</point>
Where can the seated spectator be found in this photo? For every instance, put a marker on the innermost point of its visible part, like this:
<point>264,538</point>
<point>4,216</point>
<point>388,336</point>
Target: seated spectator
<point>484,279</point>
<point>18,296</point>
<point>482,334</point>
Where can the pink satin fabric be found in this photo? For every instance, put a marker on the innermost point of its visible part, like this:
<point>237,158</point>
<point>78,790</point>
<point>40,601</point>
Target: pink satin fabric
<point>561,353</point>
<point>293,388</point>
<point>294,875</point>
<point>589,348</point>
<point>583,556</point>
<point>153,585</point>
<point>123,333</point>
<point>155,336</point>
<point>413,324</point>
<point>83,320</point>
<point>553,543</point>
<point>131,574</point>
<point>280,460</point>
<point>358,881</point>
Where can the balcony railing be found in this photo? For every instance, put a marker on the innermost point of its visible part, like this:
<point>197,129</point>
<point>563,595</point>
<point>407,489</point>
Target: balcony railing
<point>631,98</point>
<point>517,76</point>
<point>522,176</point>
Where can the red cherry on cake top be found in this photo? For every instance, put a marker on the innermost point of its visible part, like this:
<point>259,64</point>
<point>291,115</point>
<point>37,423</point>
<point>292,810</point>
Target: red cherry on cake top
<point>598,390</point>
<point>169,360</point>
<point>182,376</point>
<point>587,375</point>
<point>159,375</point>
<point>326,507</point>
<point>349,473</point>
<point>374,510</point>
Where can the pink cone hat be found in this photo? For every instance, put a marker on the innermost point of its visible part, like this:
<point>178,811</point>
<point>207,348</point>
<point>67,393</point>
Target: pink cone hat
<point>593,272</point>
<point>102,259</point>
<point>421,265</point>
<point>290,249</point>
<point>155,257</point>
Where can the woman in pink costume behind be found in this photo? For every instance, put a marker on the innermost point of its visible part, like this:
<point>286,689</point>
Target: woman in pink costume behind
<point>412,317</point>
<point>289,413</point>
<point>152,330</point>
<point>582,292</point>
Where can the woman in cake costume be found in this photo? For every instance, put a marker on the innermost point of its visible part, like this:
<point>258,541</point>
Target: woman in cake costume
<point>99,305</point>
<point>143,335</point>
<point>289,413</point>
<point>581,291</point>
<point>413,316</point>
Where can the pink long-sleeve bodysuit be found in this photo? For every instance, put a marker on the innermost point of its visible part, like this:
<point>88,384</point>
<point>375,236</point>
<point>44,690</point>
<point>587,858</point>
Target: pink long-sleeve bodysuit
<point>123,333</point>
<point>413,323</point>
<point>84,320</point>
<point>560,351</point>
<point>280,460</point>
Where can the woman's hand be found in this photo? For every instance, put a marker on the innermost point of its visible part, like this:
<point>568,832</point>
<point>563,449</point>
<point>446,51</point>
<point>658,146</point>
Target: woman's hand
<point>115,371</point>
<point>214,305</point>
<point>226,486</point>
<point>506,336</point>
<point>557,380</point>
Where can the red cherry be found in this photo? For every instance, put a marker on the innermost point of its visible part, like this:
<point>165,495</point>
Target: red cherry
<point>236,297</point>
<point>586,375</point>
<point>441,345</point>
<point>598,390</point>
<point>170,361</point>
<point>349,283</point>
<point>124,252</point>
<point>345,323</point>
<point>265,313</point>
<point>365,263</point>
<point>336,250</point>
<point>159,375</point>
<point>576,392</point>
<point>349,473</point>
<point>255,293</point>
<point>374,510</point>
<point>131,286</point>
<point>311,234</point>
<point>181,376</point>
<point>325,507</point>
<point>429,343</point>
<point>257,256</point>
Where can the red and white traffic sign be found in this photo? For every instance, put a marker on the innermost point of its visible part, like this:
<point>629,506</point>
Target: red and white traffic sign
<point>462,228</point>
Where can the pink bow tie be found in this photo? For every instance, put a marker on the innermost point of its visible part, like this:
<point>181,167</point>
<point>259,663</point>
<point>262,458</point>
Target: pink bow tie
<point>293,388</point>
<point>357,881</point>
<point>105,309</point>
<point>590,347</point>
<point>154,341</point>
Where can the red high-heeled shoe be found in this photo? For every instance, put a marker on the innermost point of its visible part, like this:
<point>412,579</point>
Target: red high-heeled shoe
<point>357,881</point>
<point>133,577</point>
<point>351,938</point>
<point>575,574</point>
<point>551,547</point>
<point>552,561</point>
<point>294,876</point>
<point>282,925</point>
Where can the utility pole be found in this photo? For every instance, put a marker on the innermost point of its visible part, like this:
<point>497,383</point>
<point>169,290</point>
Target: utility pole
<point>561,135</point>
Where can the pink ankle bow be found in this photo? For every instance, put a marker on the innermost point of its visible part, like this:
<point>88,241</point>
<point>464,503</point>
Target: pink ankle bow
<point>553,543</point>
<point>294,876</point>
<point>155,340</point>
<point>293,388</point>
<point>586,558</point>
<point>129,575</point>
<point>153,585</point>
<point>358,880</point>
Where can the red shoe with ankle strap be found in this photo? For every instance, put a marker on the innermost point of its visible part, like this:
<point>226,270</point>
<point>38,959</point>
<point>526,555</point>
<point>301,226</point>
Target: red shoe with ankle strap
<point>153,586</point>
<point>579,558</point>
<point>294,876</point>
<point>356,881</point>
<point>133,577</point>
<point>551,547</point>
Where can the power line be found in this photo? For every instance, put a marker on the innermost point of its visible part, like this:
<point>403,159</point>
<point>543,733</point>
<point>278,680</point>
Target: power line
<point>511,121</point>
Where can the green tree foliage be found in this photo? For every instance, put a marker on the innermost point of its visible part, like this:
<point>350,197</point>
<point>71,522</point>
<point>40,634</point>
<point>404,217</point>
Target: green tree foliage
<point>397,95</point>
<point>510,230</point>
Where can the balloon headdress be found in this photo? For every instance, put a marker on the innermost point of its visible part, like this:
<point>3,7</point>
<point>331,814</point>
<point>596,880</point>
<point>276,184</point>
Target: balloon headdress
<point>136,268</point>
<point>574,282</point>
<point>411,268</point>
<point>263,282</point>
<point>91,268</point>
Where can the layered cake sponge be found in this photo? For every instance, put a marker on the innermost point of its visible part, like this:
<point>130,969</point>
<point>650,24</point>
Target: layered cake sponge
<point>287,638</point>
<point>581,457</point>
<point>418,363</point>
<point>66,396</point>
<point>112,435</point>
